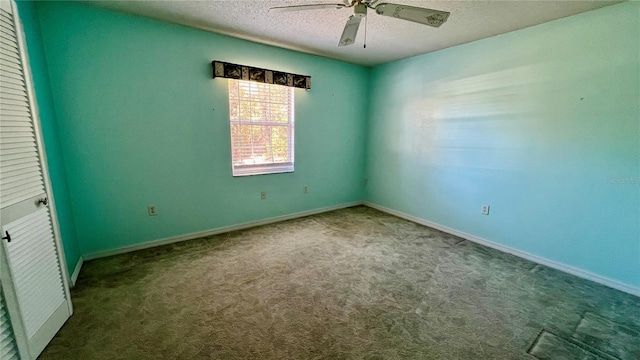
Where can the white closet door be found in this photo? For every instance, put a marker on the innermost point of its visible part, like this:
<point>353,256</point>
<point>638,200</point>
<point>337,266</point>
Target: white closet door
<point>8,347</point>
<point>36,276</point>
<point>33,276</point>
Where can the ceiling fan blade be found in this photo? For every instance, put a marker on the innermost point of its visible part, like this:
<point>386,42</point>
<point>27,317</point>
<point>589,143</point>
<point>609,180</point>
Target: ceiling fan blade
<point>307,7</point>
<point>350,31</point>
<point>424,16</point>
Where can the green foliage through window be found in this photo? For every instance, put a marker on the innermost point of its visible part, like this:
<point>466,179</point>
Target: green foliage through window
<point>261,118</point>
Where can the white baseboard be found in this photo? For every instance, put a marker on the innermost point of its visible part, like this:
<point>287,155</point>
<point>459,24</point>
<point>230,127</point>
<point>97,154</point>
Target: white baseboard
<point>537,259</point>
<point>220,230</point>
<point>76,271</point>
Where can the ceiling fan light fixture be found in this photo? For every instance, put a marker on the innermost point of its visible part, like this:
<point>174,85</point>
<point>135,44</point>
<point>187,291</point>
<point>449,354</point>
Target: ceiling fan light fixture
<point>360,10</point>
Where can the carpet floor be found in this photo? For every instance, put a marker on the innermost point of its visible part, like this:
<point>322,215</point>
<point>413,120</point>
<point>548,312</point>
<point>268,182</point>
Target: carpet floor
<point>349,284</point>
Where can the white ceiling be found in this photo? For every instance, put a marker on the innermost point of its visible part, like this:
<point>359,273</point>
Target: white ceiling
<point>388,39</point>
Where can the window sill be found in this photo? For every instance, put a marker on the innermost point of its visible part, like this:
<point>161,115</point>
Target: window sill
<point>249,170</point>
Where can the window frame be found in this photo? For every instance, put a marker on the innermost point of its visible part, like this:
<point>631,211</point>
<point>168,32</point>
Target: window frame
<point>239,170</point>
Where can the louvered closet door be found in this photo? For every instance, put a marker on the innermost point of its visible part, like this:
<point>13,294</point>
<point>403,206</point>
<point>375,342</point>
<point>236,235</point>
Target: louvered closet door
<point>8,347</point>
<point>34,275</point>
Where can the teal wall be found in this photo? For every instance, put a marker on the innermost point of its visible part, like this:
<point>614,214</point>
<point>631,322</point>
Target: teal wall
<point>135,107</point>
<point>29,17</point>
<point>543,124</point>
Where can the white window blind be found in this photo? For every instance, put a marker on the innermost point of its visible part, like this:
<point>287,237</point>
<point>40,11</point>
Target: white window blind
<point>262,128</point>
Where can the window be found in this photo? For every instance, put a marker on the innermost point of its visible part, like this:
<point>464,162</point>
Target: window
<point>261,118</point>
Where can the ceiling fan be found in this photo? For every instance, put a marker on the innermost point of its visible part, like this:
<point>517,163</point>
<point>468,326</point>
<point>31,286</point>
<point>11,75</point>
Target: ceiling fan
<point>420,15</point>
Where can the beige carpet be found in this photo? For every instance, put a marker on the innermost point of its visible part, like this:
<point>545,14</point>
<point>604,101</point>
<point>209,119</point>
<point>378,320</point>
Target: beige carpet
<point>349,284</point>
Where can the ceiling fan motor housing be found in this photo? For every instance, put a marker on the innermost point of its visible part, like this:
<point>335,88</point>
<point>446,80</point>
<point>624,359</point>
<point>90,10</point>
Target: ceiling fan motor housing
<point>360,10</point>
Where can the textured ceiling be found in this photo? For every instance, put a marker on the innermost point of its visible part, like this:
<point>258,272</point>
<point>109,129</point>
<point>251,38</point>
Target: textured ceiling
<point>388,39</point>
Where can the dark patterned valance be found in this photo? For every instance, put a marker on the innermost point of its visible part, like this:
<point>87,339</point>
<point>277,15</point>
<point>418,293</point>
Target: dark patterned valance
<point>241,72</point>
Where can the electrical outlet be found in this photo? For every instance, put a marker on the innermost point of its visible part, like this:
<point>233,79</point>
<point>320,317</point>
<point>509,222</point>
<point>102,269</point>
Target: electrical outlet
<point>485,210</point>
<point>152,210</point>
<point>263,195</point>
<point>305,189</point>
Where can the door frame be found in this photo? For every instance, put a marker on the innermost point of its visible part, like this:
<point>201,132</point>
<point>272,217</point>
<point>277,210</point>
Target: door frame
<point>7,287</point>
